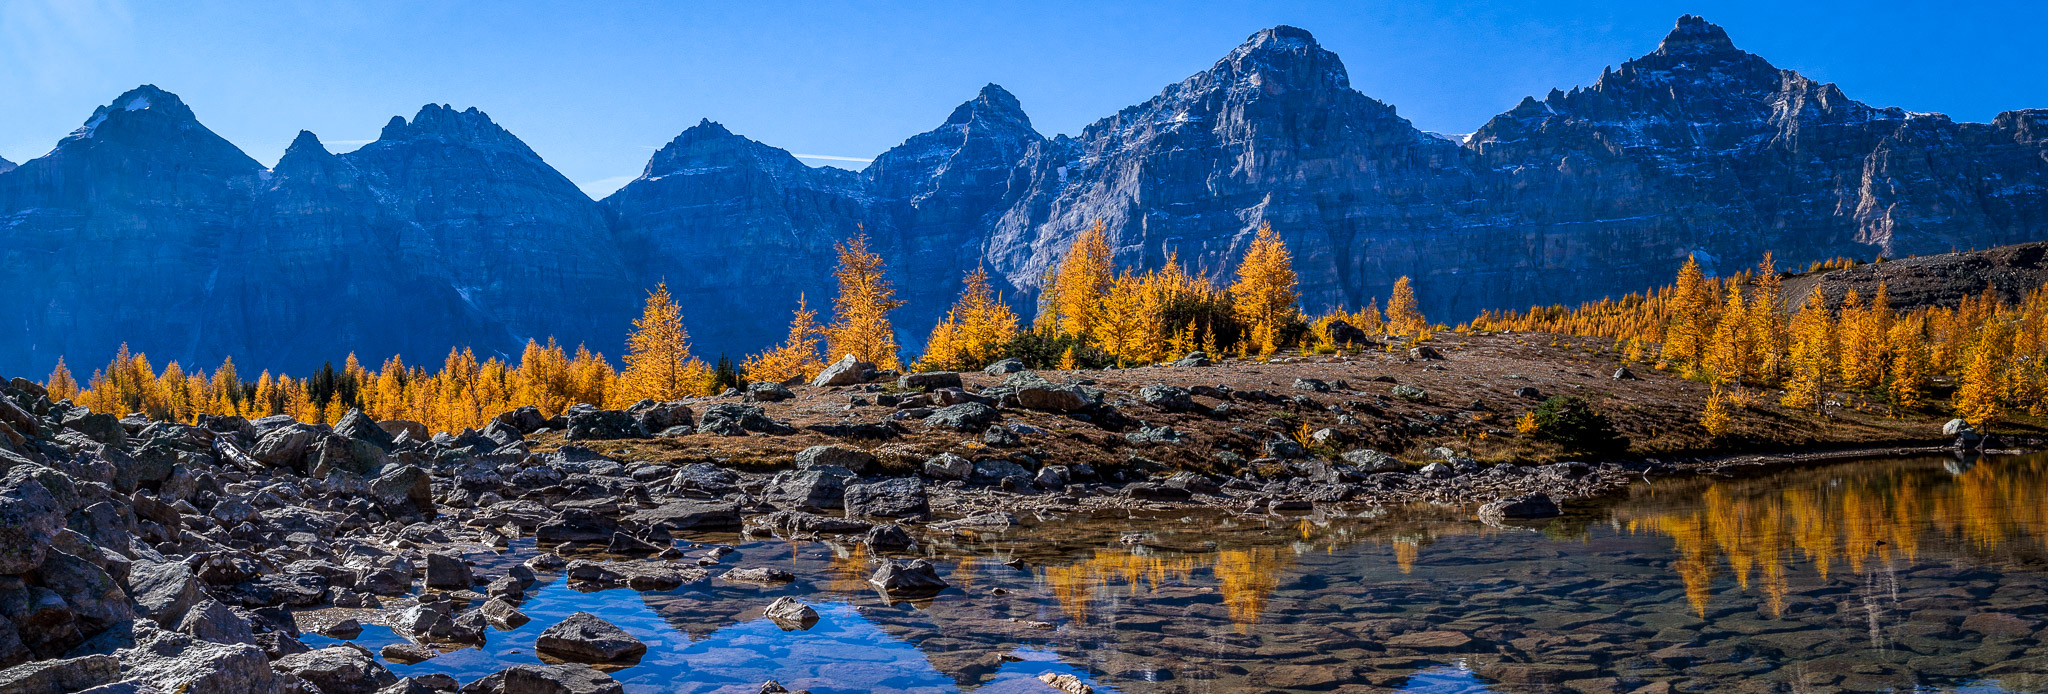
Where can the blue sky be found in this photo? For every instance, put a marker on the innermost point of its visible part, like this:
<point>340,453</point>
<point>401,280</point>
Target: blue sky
<point>596,89</point>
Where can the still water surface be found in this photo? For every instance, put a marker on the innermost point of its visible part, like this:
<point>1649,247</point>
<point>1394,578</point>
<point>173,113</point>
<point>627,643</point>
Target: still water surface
<point>1915,575</point>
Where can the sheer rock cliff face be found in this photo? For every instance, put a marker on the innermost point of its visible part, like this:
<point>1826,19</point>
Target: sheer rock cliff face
<point>143,226</point>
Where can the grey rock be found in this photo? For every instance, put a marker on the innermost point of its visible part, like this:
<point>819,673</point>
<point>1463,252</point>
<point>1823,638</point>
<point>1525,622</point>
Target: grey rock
<point>1519,507</point>
<point>854,459</point>
<point>569,678</point>
<point>902,497</point>
<point>792,614</point>
<point>1004,367</point>
<point>338,670</point>
<point>768,391</point>
<point>947,466</point>
<point>587,638</point>
<point>60,676</point>
<point>447,571</point>
<point>849,370</point>
<point>914,577</point>
<point>596,425</point>
<point>931,380</point>
<point>815,489</point>
<point>966,416</point>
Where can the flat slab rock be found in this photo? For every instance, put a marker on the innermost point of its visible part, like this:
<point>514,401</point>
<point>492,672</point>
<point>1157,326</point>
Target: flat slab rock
<point>587,638</point>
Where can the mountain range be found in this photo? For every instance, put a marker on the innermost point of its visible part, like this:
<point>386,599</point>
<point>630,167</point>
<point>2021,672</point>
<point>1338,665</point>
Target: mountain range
<point>145,227</point>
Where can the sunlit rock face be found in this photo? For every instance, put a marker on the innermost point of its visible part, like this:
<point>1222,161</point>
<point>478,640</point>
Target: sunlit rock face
<point>145,227</point>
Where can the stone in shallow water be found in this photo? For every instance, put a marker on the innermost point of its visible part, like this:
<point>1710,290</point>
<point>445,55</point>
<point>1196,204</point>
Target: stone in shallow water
<point>917,576</point>
<point>1519,507</point>
<point>586,638</point>
<point>792,614</point>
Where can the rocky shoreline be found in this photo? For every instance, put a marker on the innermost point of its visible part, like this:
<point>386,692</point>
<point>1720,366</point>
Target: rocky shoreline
<point>150,556</point>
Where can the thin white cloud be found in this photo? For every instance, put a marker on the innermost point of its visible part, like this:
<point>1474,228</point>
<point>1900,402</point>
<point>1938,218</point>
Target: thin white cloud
<point>830,157</point>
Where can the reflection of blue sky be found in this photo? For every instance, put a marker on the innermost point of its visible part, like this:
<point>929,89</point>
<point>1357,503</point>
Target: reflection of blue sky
<point>844,652</point>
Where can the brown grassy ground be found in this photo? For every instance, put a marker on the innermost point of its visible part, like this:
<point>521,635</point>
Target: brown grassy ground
<point>1471,408</point>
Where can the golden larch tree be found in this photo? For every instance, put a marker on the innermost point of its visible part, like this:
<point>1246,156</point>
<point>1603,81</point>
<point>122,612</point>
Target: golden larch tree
<point>61,384</point>
<point>1728,353</point>
<point>658,361</point>
<point>1691,316</point>
<point>1909,372</point>
<point>1810,353</point>
<point>1404,313</point>
<point>1080,284</point>
<point>1766,322</point>
<point>797,356</point>
<point>860,321</point>
<point>1265,290</point>
<point>974,331</point>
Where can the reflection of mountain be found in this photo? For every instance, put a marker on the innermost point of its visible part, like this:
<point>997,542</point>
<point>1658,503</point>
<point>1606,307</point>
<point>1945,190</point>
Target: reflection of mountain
<point>1857,515</point>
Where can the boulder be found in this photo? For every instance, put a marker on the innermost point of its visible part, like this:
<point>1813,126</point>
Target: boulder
<point>337,670</point>
<point>930,380</point>
<point>686,515</point>
<point>502,614</point>
<point>285,446</point>
<point>599,425</point>
<point>768,391</point>
<point>1369,461</point>
<point>1624,374</point>
<point>902,497</point>
<point>356,425</point>
<point>734,419</point>
<point>1519,507</point>
<point>62,676</point>
<point>887,537</point>
<point>1169,398</point>
<point>1410,393</point>
<point>173,662</point>
<point>966,416</point>
<point>1004,367</point>
<point>1424,353</point>
<point>849,370</point>
<point>947,466</point>
<point>914,577</point>
<point>163,590</point>
<point>448,571</point>
<point>30,517</point>
<point>662,416</point>
<point>1034,392</point>
<point>570,678</point>
<point>524,420</point>
<point>792,614</point>
<point>814,489</point>
<point>104,428</point>
<point>406,487</point>
<point>586,638</point>
<point>704,478</point>
<point>853,459</point>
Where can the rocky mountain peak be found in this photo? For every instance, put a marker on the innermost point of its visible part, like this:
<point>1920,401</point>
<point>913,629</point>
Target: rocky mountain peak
<point>710,145</point>
<point>993,103</point>
<point>1285,57</point>
<point>306,144</point>
<point>304,158</point>
<point>146,101</point>
<point>444,123</point>
<point>1694,35</point>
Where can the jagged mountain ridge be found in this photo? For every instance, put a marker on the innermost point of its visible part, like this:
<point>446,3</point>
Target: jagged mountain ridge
<point>448,230</point>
